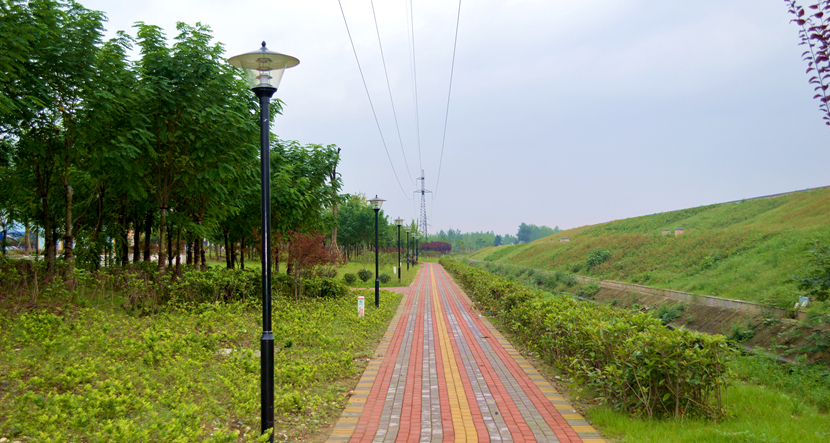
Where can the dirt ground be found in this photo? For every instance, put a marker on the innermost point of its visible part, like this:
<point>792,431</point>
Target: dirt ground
<point>786,336</point>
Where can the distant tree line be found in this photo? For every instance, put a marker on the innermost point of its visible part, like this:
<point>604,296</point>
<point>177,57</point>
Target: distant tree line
<point>478,240</point>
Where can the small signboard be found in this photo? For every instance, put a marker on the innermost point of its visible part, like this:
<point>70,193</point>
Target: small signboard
<point>361,302</point>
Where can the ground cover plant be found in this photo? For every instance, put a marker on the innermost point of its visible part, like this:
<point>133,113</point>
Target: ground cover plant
<point>92,368</point>
<point>768,400</point>
<point>753,250</point>
<point>633,362</point>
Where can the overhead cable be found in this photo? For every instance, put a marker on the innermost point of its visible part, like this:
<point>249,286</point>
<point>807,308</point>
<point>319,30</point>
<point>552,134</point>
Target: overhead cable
<point>370,100</point>
<point>449,93</point>
<point>415,85</point>
<point>395,114</point>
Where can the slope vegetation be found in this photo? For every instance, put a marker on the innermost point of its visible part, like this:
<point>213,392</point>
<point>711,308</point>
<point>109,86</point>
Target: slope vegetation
<point>746,250</point>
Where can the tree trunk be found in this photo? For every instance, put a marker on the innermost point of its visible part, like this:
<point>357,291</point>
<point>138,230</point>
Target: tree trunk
<point>242,253</point>
<point>227,250</point>
<point>162,238</point>
<point>189,255</point>
<point>68,238</point>
<point>136,236</point>
<point>27,246</point>
<point>178,250</point>
<point>148,230</point>
<point>169,255</point>
<point>232,252</point>
<point>202,255</point>
<point>123,244</point>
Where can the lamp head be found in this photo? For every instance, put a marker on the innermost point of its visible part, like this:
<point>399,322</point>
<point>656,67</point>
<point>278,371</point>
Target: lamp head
<point>264,68</point>
<point>376,202</point>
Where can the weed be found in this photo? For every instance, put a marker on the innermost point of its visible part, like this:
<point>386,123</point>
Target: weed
<point>741,332</point>
<point>667,313</point>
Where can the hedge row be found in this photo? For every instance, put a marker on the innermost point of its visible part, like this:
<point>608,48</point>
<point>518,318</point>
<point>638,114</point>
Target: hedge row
<point>631,359</point>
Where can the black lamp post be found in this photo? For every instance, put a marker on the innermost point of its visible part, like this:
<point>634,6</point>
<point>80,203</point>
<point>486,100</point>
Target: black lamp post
<point>399,222</point>
<point>407,246</point>
<point>416,247</point>
<point>264,69</point>
<point>376,204</point>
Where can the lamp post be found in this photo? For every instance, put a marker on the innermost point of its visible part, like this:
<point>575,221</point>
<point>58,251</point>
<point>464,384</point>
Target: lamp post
<point>376,204</point>
<point>408,228</point>
<point>416,247</point>
<point>263,70</point>
<point>399,222</point>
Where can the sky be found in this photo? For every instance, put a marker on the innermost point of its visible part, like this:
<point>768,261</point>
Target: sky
<point>561,113</point>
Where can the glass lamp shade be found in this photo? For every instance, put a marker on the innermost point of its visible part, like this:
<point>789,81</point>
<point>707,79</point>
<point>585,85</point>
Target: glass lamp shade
<point>376,202</point>
<point>398,221</point>
<point>264,68</point>
<point>408,228</point>
<point>415,236</point>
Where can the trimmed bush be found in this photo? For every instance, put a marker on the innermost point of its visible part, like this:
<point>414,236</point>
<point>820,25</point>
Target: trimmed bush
<point>634,362</point>
<point>349,278</point>
<point>364,275</point>
<point>384,278</point>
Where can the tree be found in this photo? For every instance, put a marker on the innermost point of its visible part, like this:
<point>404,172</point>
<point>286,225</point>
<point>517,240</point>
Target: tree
<point>814,33</point>
<point>817,280</point>
<point>307,253</point>
<point>497,241</point>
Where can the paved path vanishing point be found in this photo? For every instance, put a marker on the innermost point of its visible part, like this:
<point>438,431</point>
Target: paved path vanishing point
<point>443,374</point>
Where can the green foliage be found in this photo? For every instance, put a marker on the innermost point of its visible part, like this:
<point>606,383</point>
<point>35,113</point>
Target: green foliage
<point>597,257</point>
<point>384,278</point>
<point>743,251</point>
<point>634,362</point>
<point>817,279</point>
<point>667,313</point>
<point>741,332</point>
<point>186,373</point>
<point>528,233</point>
<point>589,290</point>
<point>349,278</point>
<point>364,275</point>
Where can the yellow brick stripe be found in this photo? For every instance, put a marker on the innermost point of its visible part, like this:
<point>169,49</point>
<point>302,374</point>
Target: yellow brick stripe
<point>462,419</point>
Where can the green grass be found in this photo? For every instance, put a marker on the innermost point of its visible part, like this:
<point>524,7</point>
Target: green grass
<point>100,374</point>
<point>757,414</point>
<point>747,250</point>
<point>407,276</point>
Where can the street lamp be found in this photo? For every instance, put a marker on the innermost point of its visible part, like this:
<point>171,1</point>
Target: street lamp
<point>376,204</point>
<point>263,70</point>
<point>399,222</point>
<point>416,246</point>
<point>408,228</point>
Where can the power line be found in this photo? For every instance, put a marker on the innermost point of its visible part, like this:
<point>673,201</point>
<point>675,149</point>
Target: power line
<point>415,84</point>
<point>370,100</point>
<point>395,114</point>
<point>449,93</point>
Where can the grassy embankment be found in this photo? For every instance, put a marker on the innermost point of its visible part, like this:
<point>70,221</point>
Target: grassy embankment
<point>746,250</point>
<point>82,368</point>
<point>767,402</point>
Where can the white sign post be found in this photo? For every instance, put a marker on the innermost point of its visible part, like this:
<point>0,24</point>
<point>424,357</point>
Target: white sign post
<point>361,302</point>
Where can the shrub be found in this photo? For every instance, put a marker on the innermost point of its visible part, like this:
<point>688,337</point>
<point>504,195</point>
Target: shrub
<point>384,278</point>
<point>590,289</point>
<point>741,332</point>
<point>630,359</point>
<point>364,275</point>
<point>349,278</point>
<point>668,313</point>
<point>597,257</point>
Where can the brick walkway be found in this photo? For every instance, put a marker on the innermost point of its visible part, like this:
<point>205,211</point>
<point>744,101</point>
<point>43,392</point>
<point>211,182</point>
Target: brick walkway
<point>444,374</point>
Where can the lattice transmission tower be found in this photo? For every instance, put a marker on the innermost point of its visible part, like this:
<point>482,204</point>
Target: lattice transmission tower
<point>423,192</point>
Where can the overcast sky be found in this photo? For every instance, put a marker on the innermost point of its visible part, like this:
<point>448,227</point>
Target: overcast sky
<point>562,113</point>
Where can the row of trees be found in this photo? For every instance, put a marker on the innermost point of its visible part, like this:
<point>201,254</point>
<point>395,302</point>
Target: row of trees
<point>94,145</point>
<point>478,240</point>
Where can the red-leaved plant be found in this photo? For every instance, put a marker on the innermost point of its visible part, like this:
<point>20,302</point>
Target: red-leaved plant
<point>815,34</point>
